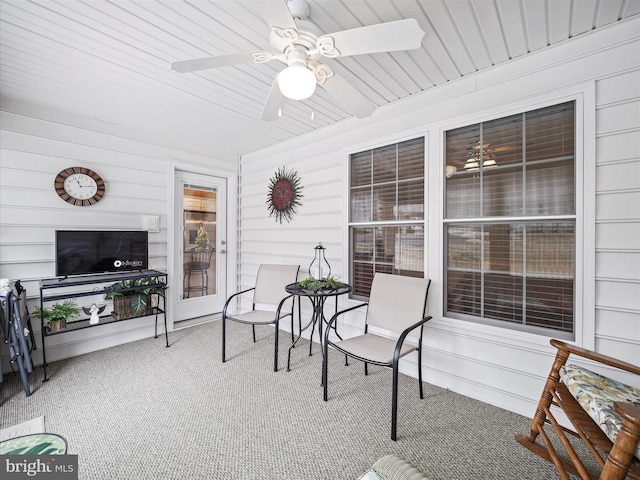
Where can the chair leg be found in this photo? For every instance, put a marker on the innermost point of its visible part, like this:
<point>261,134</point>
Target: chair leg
<point>325,368</point>
<point>275,352</point>
<point>293,305</point>
<point>224,331</point>
<point>366,368</point>
<point>205,283</point>
<point>313,328</point>
<point>420,371</point>
<point>540,417</point>
<point>253,328</point>
<point>299,317</point>
<point>394,402</point>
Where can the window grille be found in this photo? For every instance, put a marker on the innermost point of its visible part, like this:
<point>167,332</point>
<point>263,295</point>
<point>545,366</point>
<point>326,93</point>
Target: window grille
<point>510,223</point>
<point>386,215</point>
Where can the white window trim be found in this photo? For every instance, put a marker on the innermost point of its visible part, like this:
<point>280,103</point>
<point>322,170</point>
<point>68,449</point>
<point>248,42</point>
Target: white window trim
<point>584,334</point>
<point>396,137</point>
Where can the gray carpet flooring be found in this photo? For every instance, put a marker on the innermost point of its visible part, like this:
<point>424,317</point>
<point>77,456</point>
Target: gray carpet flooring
<point>143,411</point>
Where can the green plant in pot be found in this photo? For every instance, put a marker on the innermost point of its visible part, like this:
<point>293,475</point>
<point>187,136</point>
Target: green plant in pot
<point>311,283</point>
<point>55,317</point>
<point>131,297</point>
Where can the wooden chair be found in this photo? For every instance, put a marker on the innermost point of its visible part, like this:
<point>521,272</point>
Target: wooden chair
<point>269,290</point>
<point>617,458</point>
<point>397,304</point>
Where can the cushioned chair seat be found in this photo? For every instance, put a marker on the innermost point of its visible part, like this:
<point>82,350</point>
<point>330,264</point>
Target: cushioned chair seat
<point>393,467</point>
<point>34,444</point>
<point>374,347</point>
<point>596,394</point>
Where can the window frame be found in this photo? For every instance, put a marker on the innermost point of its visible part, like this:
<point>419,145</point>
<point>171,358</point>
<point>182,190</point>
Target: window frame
<point>383,141</point>
<point>584,290</point>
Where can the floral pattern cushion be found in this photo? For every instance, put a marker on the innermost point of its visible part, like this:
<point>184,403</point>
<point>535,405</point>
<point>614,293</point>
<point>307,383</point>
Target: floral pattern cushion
<point>597,394</point>
<point>34,444</point>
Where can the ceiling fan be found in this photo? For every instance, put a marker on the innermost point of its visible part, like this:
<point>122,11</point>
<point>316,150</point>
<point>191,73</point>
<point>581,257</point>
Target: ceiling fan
<point>298,43</point>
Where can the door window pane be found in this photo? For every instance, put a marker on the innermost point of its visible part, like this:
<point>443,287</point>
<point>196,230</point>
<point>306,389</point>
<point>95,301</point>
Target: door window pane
<point>198,257</point>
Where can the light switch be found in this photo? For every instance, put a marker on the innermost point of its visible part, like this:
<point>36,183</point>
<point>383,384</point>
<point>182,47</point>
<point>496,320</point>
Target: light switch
<point>151,223</point>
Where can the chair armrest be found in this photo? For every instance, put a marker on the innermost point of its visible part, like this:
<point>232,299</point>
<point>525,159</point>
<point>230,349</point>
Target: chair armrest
<point>403,335</point>
<point>621,455</point>
<point>594,356</point>
<point>628,412</point>
<point>280,306</point>
<point>226,304</point>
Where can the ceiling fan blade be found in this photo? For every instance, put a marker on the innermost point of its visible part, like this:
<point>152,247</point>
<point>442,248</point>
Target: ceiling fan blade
<point>384,37</point>
<point>205,63</point>
<point>274,104</point>
<point>275,13</point>
<point>348,96</point>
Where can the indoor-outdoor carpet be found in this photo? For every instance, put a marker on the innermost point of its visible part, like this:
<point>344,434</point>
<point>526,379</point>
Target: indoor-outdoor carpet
<point>143,411</point>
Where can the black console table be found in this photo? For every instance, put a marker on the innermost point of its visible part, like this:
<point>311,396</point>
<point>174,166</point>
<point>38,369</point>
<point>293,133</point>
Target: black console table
<point>85,286</point>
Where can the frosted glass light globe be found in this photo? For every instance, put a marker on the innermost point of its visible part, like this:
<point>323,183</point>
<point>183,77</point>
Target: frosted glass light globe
<point>297,82</point>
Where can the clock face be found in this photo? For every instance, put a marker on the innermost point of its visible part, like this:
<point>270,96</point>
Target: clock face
<point>79,186</point>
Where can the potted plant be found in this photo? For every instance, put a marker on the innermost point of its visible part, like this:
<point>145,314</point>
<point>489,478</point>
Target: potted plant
<point>131,297</point>
<point>313,284</point>
<point>55,318</point>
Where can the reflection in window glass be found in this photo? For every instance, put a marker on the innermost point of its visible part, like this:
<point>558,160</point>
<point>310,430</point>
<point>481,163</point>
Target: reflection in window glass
<point>518,272</point>
<point>386,215</point>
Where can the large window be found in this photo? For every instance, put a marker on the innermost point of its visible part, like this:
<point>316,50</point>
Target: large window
<point>510,224</point>
<point>386,215</point>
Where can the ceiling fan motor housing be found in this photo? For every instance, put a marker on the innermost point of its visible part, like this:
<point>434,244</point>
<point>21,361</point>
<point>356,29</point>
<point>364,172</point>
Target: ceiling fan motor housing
<point>282,40</point>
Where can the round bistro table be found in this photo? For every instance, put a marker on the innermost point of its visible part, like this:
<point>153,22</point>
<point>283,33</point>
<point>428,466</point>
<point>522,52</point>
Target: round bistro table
<point>317,299</point>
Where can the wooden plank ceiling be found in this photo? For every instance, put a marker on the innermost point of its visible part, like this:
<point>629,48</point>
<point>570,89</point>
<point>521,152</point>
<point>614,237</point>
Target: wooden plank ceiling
<point>109,59</point>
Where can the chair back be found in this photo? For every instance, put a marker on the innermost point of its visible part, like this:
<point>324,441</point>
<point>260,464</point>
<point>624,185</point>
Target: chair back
<point>397,302</point>
<point>200,257</point>
<point>271,281</point>
<point>22,305</point>
<point>19,350</point>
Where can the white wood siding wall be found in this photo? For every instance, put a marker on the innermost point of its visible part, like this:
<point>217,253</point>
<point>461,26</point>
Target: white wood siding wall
<point>36,144</point>
<point>617,243</point>
<point>499,366</point>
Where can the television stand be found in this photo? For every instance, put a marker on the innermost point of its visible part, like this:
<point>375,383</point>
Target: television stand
<point>85,286</point>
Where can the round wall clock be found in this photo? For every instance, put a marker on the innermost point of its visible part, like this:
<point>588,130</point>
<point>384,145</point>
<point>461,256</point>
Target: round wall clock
<point>79,186</point>
<point>284,195</point>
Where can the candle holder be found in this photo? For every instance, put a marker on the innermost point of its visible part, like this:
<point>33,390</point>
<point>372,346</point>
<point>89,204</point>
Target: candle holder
<point>319,269</point>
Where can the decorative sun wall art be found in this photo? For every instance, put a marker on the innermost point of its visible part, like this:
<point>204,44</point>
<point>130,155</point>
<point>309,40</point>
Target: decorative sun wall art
<point>284,194</point>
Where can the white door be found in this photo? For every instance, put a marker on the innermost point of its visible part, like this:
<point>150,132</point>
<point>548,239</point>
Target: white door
<point>201,245</point>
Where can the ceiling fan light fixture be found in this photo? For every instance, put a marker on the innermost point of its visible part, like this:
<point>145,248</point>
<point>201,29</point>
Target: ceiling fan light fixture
<point>297,82</point>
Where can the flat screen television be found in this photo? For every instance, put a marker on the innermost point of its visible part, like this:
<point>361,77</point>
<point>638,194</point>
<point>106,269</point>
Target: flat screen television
<point>83,252</point>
